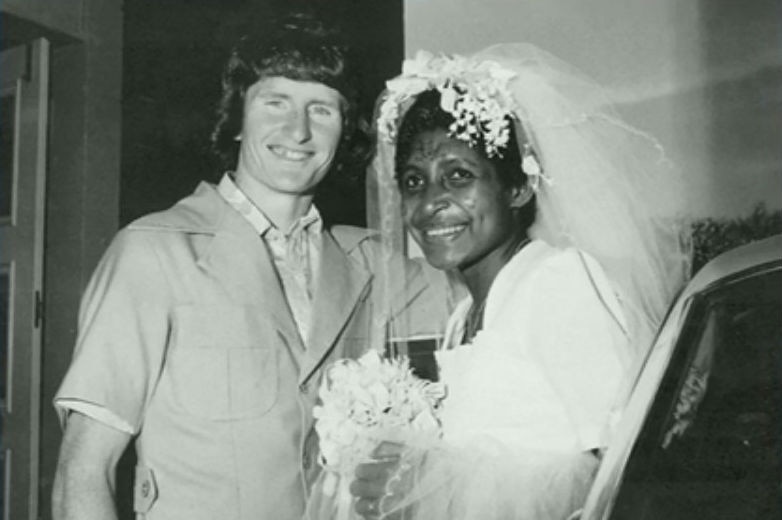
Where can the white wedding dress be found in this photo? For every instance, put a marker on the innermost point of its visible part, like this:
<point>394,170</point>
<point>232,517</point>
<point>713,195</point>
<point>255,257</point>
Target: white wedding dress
<point>531,400</point>
<point>534,395</point>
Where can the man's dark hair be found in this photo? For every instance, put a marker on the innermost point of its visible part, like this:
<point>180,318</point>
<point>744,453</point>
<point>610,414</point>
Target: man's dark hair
<point>299,46</point>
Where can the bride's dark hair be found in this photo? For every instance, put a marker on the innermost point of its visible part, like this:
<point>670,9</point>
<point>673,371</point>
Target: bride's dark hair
<point>425,115</point>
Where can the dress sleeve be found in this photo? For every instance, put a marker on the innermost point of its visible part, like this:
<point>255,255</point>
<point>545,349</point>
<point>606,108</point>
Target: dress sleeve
<point>577,332</point>
<point>123,326</point>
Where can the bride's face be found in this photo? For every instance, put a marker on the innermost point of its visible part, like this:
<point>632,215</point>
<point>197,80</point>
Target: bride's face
<point>454,204</point>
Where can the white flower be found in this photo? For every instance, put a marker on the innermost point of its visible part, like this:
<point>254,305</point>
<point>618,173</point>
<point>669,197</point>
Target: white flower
<point>530,165</point>
<point>368,400</point>
<point>448,98</point>
<point>474,93</point>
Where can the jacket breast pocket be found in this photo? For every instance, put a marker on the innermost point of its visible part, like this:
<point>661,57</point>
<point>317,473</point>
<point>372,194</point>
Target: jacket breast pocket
<point>223,364</point>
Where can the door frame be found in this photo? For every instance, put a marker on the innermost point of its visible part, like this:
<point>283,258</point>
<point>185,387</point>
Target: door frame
<point>25,74</point>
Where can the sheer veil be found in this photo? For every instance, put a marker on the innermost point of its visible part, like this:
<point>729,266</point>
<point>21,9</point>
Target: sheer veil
<point>607,188</point>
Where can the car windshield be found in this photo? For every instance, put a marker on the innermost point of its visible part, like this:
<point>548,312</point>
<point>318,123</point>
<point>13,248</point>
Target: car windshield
<point>711,445</point>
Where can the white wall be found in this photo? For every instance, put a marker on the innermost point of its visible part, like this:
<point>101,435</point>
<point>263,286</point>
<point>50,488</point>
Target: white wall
<point>704,76</point>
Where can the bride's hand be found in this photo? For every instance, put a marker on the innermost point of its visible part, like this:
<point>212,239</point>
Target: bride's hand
<point>380,484</point>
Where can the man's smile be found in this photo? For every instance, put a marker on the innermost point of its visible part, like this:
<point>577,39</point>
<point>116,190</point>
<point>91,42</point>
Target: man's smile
<point>289,154</point>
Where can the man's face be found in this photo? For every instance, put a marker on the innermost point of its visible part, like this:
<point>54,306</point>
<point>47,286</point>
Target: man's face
<point>290,133</point>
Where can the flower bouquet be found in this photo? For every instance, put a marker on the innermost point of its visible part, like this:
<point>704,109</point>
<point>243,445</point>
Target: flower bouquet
<point>365,402</point>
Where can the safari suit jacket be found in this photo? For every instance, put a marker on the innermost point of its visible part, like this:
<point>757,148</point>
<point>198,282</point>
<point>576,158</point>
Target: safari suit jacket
<point>186,335</point>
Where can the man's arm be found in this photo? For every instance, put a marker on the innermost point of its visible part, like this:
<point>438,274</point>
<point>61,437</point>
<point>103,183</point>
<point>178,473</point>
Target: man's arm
<point>84,485</point>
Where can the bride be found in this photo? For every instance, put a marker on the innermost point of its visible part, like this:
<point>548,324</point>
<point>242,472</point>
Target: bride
<point>512,171</point>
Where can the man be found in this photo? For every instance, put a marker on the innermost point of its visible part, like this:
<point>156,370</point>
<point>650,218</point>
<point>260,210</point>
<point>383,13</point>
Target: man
<point>204,328</point>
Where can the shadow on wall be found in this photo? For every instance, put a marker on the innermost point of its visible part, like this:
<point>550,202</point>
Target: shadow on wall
<point>740,50</point>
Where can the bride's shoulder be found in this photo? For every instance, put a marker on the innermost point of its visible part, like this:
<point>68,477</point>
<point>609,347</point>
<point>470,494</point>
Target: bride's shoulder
<point>545,272</point>
<point>535,272</point>
<point>540,259</point>
<point>545,260</point>
<point>567,280</point>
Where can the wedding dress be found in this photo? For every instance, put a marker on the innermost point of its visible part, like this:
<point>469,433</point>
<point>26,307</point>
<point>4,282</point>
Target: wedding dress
<point>530,400</point>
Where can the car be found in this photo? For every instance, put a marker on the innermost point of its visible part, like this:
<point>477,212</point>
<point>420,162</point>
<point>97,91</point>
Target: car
<point>701,434</point>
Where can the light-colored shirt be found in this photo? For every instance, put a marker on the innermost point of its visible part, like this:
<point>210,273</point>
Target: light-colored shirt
<point>295,252</point>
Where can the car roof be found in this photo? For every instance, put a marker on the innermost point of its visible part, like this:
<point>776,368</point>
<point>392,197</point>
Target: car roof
<point>734,261</point>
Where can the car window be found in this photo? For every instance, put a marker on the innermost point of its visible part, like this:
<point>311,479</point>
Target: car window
<point>711,446</point>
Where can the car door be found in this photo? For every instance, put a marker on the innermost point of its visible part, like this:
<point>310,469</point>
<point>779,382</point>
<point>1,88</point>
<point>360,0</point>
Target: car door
<point>710,446</point>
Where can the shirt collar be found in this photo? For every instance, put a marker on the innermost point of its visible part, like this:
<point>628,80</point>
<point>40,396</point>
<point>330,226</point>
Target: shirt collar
<point>235,197</point>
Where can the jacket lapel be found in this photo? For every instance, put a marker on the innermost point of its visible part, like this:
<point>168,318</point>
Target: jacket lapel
<point>240,262</point>
<point>341,282</point>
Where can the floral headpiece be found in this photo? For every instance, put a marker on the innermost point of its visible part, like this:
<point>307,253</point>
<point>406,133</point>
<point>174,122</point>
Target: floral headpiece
<point>474,92</point>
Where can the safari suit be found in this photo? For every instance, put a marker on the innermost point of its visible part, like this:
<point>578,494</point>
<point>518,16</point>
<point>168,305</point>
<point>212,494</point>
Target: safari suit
<point>186,335</point>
